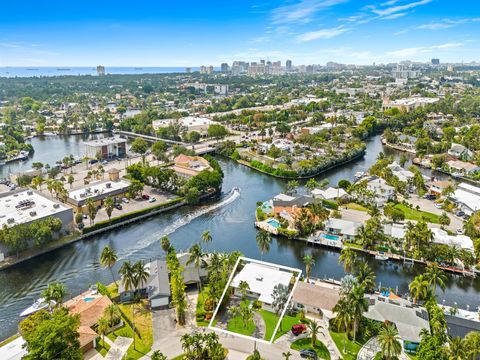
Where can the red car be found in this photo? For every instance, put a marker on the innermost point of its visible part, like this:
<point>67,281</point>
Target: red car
<point>145,197</point>
<point>298,329</point>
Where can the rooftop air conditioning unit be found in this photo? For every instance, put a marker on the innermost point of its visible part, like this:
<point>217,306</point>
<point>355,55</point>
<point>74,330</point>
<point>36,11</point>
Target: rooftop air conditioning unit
<point>56,206</point>
<point>108,185</point>
<point>10,221</point>
<point>29,192</point>
<point>33,213</point>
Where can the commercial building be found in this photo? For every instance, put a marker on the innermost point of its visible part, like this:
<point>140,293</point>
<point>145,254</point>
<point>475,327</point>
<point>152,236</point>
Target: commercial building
<point>408,104</point>
<point>97,192</point>
<point>187,124</point>
<point>224,68</point>
<point>108,148</point>
<point>100,70</point>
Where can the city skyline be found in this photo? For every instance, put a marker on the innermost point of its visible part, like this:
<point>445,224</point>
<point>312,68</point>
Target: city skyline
<point>192,34</point>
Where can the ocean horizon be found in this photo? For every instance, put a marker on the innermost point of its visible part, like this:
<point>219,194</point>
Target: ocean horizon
<point>32,71</point>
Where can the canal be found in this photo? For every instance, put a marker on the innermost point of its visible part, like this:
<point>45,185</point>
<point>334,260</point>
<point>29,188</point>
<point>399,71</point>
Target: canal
<point>230,221</point>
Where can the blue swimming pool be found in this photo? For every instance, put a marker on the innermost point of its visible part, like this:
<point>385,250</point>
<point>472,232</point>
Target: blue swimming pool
<point>274,223</point>
<point>87,299</point>
<point>330,237</point>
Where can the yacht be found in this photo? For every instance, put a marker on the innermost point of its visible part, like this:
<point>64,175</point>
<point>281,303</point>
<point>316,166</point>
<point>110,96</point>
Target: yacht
<point>381,256</point>
<point>36,306</point>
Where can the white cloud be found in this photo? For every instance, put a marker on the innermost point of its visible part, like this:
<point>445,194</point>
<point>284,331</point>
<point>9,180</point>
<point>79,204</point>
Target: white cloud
<point>394,16</point>
<point>322,34</point>
<point>399,8</point>
<point>302,11</point>
<point>260,39</point>
<point>446,23</point>
<point>414,51</point>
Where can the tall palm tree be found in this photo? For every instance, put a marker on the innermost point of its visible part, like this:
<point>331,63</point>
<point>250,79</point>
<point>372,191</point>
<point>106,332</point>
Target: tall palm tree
<point>309,263</point>
<point>127,272</point>
<point>55,292</point>
<point>456,349</point>
<point>419,288</point>
<point>358,304</point>
<point>109,206</point>
<point>165,243</point>
<point>108,258</point>
<point>286,355</point>
<point>348,257</point>
<point>196,256</point>
<point>343,319</point>
<point>435,277</point>
<point>206,238</point>
<point>389,341</point>
<point>103,326</point>
<point>365,276</point>
<point>157,355</point>
<point>313,328</point>
<point>111,312</point>
<point>263,241</point>
<point>141,274</point>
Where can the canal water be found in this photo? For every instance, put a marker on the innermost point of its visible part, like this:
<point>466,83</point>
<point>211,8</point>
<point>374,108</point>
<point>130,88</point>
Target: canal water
<point>231,223</point>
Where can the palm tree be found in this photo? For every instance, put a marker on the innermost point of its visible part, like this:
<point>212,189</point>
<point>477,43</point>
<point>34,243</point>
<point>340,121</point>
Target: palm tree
<point>419,288</point>
<point>435,277</point>
<point>55,292</point>
<point>243,287</point>
<point>103,326</point>
<point>343,319</point>
<point>206,238</point>
<point>313,328</point>
<point>455,349</point>
<point>108,258</point>
<point>263,241</point>
<point>471,342</point>
<point>311,184</point>
<point>157,355</point>
<point>348,257</point>
<point>365,276</point>
<point>358,304</point>
<point>287,355</point>
<point>165,243</point>
<point>389,341</point>
<point>91,209</point>
<point>111,312</point>
<point>309,262</point>
<point>196,257</point>
<point>109,206</point>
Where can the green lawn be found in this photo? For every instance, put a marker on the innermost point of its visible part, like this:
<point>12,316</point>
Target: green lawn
<point>306,343</point>
<point>102,347</point>
<point>236,325</point>
<point>417,215</point>
<point>352,347</point>
<point>200,301</point>
<point>271,321</point>
<point>355,206</point>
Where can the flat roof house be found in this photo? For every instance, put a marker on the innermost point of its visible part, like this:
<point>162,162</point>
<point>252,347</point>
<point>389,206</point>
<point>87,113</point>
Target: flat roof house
<point>262,279</point>
<point>467,198</point>
<point>113,147</point>
<point>330,194</point>
<point>345,228</point>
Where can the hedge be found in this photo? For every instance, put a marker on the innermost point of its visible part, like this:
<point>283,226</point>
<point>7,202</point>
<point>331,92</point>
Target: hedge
<point>130,215</point>
<point>273,171</point>
<point>330,204</point>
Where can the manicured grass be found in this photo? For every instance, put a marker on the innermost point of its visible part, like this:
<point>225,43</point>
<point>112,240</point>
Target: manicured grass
<point>352,347</point>
<point>200,301</point>
<point>306,343</point>
<point>355,206</point>
<point>417,215</point>
<point>236,325</point>
<point>271,321</point>
<point>143,325</point>
<point>102,347</point>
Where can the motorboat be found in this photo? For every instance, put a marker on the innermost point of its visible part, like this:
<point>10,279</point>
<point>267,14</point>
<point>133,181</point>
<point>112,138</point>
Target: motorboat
<point>235,189</point>
<point>38,305</point>
<point>381,256</point>
<point>358,175</point>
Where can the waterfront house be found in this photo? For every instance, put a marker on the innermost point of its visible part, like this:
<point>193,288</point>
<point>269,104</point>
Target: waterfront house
<point>462,167</point>
<point>287,206</point>
<point>409,320</point>
<point>317,299</point>
<point>400,172</point>
<point>440,236</point>
<point>467,198</point>
<point>189,166</point>
<point>463,322</point>
<point>437,187</point>
<point>345,228</point>
<point>330,194</point>
<point>382,192</point>
<point>460,152</point>
<point>261,279</point>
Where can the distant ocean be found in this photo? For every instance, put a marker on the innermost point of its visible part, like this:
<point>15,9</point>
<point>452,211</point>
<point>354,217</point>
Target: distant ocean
<point>59,71</point>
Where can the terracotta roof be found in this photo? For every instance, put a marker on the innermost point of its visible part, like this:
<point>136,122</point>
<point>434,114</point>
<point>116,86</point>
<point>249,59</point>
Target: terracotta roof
<point>87,335</point>
<point>183,158</point>
<point>90,311</point>
<point>316,295</point>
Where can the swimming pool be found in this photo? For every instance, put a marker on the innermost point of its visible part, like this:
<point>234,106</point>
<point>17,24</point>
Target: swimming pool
<point>274,223</point>
<point>87,299</point>
<point>330,237</point>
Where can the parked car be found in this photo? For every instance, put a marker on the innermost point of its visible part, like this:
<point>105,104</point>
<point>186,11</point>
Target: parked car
<point>459,232</point>
<point>125,200</point>
<point>92,161</point>
<point>438,206</point>
<point>460,213</point>
<point>308,354</point>
<point>429,197</point>
<point>152,199</point>
<point>104,162</point>
<point>298,329</point>
<point>118,206</point>
<point>145,197</point>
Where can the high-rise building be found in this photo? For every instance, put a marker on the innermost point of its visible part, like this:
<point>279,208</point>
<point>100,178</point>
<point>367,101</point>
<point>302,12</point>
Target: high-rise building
<point>224,68</point>
<point>209,69</point>
<point>203,69</point>
<point>239,67</point>
<point>188,70</point>
<point>435,61</point>
<point>289,65</point>
<point>100,70</point>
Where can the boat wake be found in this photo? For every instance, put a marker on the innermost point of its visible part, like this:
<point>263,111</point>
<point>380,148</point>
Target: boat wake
<point>233,195</point>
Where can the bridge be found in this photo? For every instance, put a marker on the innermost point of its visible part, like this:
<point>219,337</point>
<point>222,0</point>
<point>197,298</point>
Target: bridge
<point>200,148</point>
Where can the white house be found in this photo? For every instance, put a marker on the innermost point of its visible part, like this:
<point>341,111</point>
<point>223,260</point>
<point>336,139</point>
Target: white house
<point>346,228</point>
<point>462,241</point>
<point>381,190</point>
<point>462,167</point>
<point>262,279</point>
<point>467,198</point>
<point>461,152</point>
<point>400,172</point>
<point>330,194</point>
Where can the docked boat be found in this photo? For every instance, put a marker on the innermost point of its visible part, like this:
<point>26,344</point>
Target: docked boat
<point>381,256</point>
<point>358,175</point>
<point>38,305</point>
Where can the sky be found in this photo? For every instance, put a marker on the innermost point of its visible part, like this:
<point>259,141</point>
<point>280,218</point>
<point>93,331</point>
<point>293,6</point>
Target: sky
<point>194,33</point>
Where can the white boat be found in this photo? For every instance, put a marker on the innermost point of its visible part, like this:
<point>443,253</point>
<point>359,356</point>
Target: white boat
<point>381,256</point>
<point>36,306</point>
<point>358,175</point>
